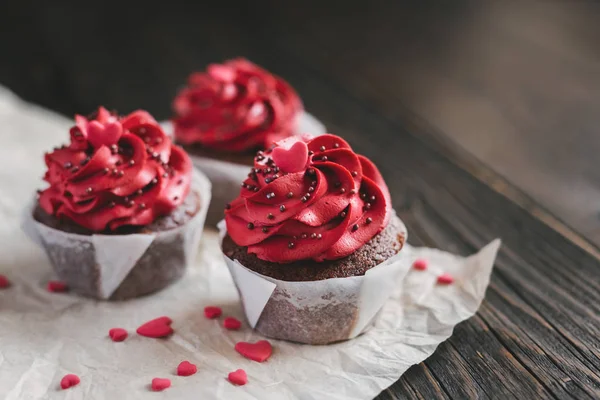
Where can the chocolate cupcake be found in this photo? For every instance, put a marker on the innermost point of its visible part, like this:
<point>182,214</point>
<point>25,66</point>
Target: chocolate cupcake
<point>229,112</point>
<point>312,242</point>
<point>124,210</point>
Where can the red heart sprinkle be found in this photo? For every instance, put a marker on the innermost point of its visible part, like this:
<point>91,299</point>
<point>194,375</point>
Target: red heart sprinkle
<point>445,279</point>
<point>157,328</point>
<point>4,282</point>
<point>108,134</point>
<point>57,287</point>
<point>259,351</point>
<point>232,323</point>
<point>292,158</point>
<point>238,377</point>
<point>69,380</point>
<point>221,73</point>
<point>420,264</point>
<point>186,368</point>
<point>160,384</point>
<point>212,312</point>
<point>117,334</point>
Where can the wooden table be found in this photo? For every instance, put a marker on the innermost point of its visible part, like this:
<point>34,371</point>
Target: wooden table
<point>483,117</point>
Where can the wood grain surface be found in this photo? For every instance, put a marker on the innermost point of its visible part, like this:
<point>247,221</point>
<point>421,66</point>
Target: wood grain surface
<point>464,105</point>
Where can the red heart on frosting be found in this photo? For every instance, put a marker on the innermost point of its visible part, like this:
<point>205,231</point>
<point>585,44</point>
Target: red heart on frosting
<point>238,377</point>
<point>259,351</point>
<point>157,328</point>
<point>117,334</point>
<point>69,380</point>
<point>160,384</point>
<point>106,135</point>
<point>186,368</point>
<point>291,159</point>
<point>221,73</point>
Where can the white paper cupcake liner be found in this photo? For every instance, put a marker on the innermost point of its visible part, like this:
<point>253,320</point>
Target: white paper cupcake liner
<point>227,176</point>
<point>315,312</point>
<point>122,266</point>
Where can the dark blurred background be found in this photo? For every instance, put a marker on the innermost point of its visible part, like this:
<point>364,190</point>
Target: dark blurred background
<point>514,85</point>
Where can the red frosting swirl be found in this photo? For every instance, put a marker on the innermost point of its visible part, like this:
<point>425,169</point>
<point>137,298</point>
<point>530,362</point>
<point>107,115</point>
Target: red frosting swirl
<point>117,171</point>
<point>309,199</point>
<point>235,106</point>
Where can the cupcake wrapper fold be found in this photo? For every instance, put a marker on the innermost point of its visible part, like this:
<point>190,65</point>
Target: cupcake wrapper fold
<point>315,312</point>
<point>122,266</point>
<point>227,176</point>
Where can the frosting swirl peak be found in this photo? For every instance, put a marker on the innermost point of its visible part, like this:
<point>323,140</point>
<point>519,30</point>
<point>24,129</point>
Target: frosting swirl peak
<point>116,171</point>
<point>235,106</point>
<point>309,198</point>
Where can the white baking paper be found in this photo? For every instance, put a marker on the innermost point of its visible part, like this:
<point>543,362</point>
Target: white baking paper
<point>44,336</point>
<point>116,257</point>
<point>227,176</point>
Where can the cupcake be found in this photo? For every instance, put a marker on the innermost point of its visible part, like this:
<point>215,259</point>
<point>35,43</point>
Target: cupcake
<point>312,242</point>
<point>124,210</point>
<point>229,112</point>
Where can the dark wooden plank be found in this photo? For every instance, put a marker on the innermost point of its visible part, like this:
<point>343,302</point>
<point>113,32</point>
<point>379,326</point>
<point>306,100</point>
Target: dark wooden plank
<point>514,83</point>
<point>537,332</point>
<point>418,383</point>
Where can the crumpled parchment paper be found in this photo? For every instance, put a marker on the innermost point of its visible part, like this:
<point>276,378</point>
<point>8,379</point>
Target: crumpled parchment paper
<point>44,336</point>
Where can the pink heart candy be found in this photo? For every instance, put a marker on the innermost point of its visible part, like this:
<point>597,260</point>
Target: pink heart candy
<point>238,377</point>
<point>212,312</point>
<point>259,351</point>
<point>4,282</point>
<point>221,73</point>
<point>445,279</point>
<point>160,384</point>
<point>99,135</point>
<point>186,368</point>
<point>117,334</point>
<point>69,380</point>
<point>291,159</point>
<point>420,264</point>
<point>157,328</point>
<point>232,323</point>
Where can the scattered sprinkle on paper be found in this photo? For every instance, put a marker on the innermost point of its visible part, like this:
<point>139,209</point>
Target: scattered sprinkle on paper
<point>57,287</point>
<point>420,264</point>
<point>232,323</point>
<point>445,279</point>
<point>4,282</point>
<point>157,328</point>
<point>259,351</point>
<point>238,377</point>
<point>160,384</point>
<point>212,312</point>
<point>186,368</point>
<point>69,380</point>
<point>117,334</point>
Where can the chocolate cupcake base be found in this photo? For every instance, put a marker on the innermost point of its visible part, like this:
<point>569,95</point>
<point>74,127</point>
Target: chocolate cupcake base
<point>319,303</point>
<point>124,265</point>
